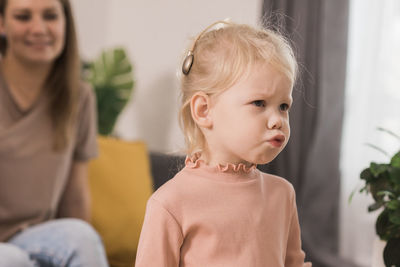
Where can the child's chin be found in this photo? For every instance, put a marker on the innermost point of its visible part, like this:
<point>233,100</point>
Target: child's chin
<point>265,160</point>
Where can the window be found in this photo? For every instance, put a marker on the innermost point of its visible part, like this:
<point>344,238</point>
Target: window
<point>372,100</point>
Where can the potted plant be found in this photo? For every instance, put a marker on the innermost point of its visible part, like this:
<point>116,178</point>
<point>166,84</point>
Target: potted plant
<point>112,79</point>
<point>382,182</point>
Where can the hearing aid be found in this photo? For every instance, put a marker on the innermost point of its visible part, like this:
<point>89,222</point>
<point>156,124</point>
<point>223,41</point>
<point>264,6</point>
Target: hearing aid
<point>189,59</point>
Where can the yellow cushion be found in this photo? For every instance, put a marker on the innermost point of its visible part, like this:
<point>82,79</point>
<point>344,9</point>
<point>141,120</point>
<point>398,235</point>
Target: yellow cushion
<point>120,183</point>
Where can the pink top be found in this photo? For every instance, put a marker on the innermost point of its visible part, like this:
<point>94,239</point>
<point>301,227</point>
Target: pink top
<point>221,216</point>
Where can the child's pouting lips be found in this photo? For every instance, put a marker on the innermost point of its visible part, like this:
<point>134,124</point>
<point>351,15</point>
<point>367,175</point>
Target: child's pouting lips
<point>277,140</point>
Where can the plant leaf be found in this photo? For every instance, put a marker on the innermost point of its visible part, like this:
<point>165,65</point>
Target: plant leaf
<point>394,174</point>
<point>112,78</point>
<point>377,169</point>
<point>394,217</point>
<point>351,195</point>
<point>364,189</point>
<point>382,225</point>
<point>380,184</point>
<point>385,193</point>
<point>378,149</point>
<point>395,161</point>
<point>375,206</point>
<point>393,204</point>
<point>366,175</point>
<point>389,132</point>
<point>391,255</point>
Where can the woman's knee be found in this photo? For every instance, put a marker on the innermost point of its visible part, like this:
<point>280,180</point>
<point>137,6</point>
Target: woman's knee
<point>87,244</point>
<point>63,240</point>
<point>79,231</point>
<point>11,256</point>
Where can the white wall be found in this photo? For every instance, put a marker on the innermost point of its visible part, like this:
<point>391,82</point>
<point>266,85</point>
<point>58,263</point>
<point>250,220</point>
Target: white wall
<point>155,34</point>
<point>91,20</point>
<point>372,100</point>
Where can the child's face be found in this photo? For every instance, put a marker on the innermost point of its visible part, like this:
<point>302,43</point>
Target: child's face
<point>250,120</point>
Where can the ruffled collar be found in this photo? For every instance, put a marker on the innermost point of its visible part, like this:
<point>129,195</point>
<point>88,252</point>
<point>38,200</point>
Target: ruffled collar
<point>194,161</point>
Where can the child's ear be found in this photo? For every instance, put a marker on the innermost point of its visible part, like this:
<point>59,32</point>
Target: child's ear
<point>200,108</point>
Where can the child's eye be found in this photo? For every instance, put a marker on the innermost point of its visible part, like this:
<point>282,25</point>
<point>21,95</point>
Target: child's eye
<point>22,17</point>
<point>284,107</point>
<point>258,103</point>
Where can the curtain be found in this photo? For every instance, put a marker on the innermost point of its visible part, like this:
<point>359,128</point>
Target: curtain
<point>318,30</point>
<point>372,100</point>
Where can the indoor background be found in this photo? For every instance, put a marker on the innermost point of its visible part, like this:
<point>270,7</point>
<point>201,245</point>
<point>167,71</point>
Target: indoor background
<point>155,34</point>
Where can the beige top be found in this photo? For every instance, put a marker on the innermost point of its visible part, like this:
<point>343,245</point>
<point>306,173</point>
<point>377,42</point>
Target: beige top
<point>32,175</point>
<point>214,217</point>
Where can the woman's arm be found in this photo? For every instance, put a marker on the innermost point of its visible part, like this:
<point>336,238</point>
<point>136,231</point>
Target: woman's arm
<point>75,201</point>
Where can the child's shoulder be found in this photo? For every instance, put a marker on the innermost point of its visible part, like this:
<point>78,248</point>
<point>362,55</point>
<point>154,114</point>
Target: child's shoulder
<point>173,190</point>
<point>277,182</point>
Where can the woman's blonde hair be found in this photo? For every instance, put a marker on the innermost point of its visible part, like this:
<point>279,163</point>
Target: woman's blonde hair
<point>219,58</point>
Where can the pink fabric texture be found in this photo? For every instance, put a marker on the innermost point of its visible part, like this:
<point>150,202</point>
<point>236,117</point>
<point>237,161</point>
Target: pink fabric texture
<point>195,161</point>
<point>218,216</point>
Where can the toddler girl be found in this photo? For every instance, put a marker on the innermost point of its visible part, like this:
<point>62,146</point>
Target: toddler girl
<point>219,210</point>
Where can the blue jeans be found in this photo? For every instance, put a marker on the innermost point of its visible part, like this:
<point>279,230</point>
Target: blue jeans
<point>56,243</point>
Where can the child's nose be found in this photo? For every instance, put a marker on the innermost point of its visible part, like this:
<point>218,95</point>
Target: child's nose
<point>274,121</point>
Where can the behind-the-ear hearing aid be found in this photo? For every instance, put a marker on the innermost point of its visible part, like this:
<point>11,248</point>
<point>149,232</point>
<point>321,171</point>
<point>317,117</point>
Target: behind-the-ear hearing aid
<point>189,59</point>
<point>187,63</point>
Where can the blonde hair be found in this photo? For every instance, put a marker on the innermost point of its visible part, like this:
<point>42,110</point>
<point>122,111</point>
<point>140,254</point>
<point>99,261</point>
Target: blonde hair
<point>219,58</point>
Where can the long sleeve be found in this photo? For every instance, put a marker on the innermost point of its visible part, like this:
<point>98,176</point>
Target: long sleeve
<point>294,254</point>
<point>161,238</point>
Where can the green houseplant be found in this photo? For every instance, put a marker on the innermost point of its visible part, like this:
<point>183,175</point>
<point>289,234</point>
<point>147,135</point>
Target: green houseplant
<point>382,181</point>
<point>111,75</point>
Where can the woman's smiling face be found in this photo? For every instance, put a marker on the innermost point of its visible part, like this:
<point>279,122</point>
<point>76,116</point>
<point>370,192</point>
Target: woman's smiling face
<point>34,29</point>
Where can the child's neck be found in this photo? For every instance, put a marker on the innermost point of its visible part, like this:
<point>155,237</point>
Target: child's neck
<point>213,159</point>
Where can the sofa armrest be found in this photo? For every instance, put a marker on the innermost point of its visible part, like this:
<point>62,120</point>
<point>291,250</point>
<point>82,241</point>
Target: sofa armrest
<point>164,167</point>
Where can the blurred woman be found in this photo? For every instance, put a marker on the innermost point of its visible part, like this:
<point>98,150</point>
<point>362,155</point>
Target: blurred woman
<point>47,135</point>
